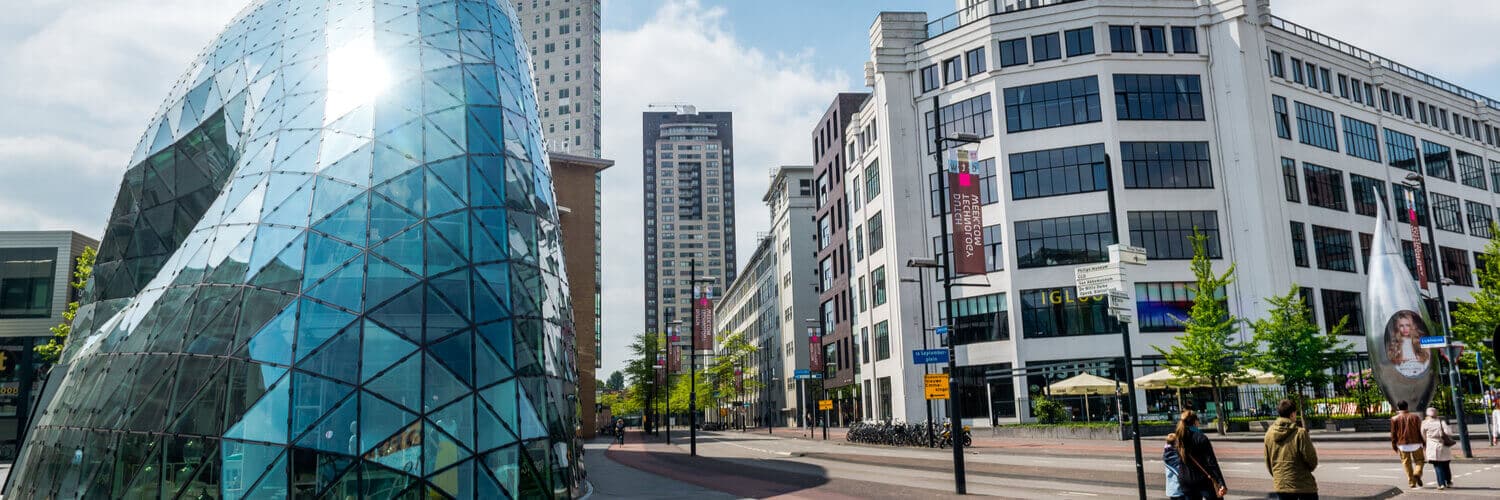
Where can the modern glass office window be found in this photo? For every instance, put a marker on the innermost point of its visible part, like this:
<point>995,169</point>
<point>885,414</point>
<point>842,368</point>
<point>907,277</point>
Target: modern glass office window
<point>875,226</point>
<point>1052,104</point>
<point>1401,151</point>
<point>1079,239</point>
<point>1052,172</point>
<point>1163,306</point>
<point>1338,305</point>
<point>1326,80</point>
<point>877,287</point>
<point>1289,180</point>
<point>1471,170</point>
<point>994,253</point>
<point>1079,41</point>
<point>1122,39</point>
<point>1184,40</point>
<point>1366,240</point>
<point>969,116</point>
<point>1158,97</point>
<point>1456,266</point>
<point>1046,47</point>
<point>1299,244</point>
<point>1166,165</point>
<point>1325,187</point>
<point>1312,75</point>
<point>1013,52</point>
<point>930,79</point>
<point>1495,175</point>
<point>984,318</point>
<point>1403,207</point>
<point>1439,160</point>
<point>1385,100</point>
<point>1166,234</point>
<point>1367,193</point>
<point>975,62</point>
<point>1315,127</point>
<point>989,192</point>
<point>1343,86</point>
<point>1283,119</point>
<point>872,181</point>
<point>1297,70</point>
<point>1360,139</point>
<point>1278,65</point>
<point>953,70</point>
<point>1059,312</point>
<point>1480,217</point>
<point>1446,213</point>
<point>26,282</point>
<point>1334,248</point>
<point>1153,39</point>
<point>883,348</point>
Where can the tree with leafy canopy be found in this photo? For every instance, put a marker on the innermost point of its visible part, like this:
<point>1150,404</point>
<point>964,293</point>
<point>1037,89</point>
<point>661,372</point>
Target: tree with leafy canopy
<point>1207,352</point>
<point>640,370</point>
<point>52,350</point>
<point>1289,344</point>
<point>1476,319</point>
<point>616,381</point>
<point>735,351</point>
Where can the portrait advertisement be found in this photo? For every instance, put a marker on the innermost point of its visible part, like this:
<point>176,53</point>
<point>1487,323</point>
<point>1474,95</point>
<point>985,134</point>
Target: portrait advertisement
<point>1403,343</point>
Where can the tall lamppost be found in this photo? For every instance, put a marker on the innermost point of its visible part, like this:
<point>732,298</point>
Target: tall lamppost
<point>693,281</point>
<point>1419,182</point>
<point>921,265</point>
<point>673,329</point>
<point>938,143</point>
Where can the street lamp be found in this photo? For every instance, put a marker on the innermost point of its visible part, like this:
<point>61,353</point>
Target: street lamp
<point>1420,182</point>
<point>938,141</point>
<point>920,265</point>
<point>693,281</point>
<point>674,329</point>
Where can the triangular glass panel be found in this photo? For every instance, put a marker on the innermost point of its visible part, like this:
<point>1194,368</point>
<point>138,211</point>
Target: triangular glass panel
<point>441,257</point>
<point>402,383</point>
<point>405,249</point>
<point>441,385</point>
<point>316,324</point>
<point>501,338</point>
<point>483,130</point>
<point>457,420</point>
<point>488,368</point>
<point>331,195</point>
<point>399,455</point>
<point>488,174</point>
<point>456,481</point>
<point>488,487</point>
<point>285,271</point>
<point>405,191</point>
<point>244,465</point>
<point>389,163</point>
<point>381,349</point>
<point>377,421</point>
<point>335,433</point>
<point>342,288</point>
<point>452,173</point>
<point>387,219</point>
<point>502,398</point>
<point>266,421</point>
<point>204,414</point>
<point>313,397</point>
<point>439,450</point>
<point>456,353</point>
<point>491,433</point>
<point>531,419</point>
<point>273,483</point>
<point>338,358</point>
<point>292,211</point>
<point>405,139</point>
<point>403,314</point>
<point>442,319</point>
<point>324,255</point>
<point>385,280</point>
<point>486,307</point>
<point>273,342</point>
<point>347,223</point>
<point>269,242</point>
<point>506,464</point>
<point>439,198</point>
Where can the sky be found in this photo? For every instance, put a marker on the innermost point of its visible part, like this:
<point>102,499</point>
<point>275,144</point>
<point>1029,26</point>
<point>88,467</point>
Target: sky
<point>83,77</point>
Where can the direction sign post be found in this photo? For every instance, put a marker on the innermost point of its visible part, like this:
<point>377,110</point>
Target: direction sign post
<point>929,356</point>
<point>1434,341</point>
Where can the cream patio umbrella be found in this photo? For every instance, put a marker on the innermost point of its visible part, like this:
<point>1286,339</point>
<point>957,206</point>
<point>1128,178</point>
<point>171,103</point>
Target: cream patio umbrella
<point>1167,379</point>
<point>1085,385</point>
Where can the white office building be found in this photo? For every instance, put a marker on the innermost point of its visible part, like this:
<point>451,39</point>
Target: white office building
<point>1265,135</point>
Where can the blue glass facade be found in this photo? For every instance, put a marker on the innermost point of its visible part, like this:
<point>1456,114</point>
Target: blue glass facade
<point>333,270</point>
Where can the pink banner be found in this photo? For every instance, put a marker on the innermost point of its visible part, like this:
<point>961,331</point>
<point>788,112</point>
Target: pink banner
<point>966,213</point>
<point>814,351</point>
<point>703,328</point>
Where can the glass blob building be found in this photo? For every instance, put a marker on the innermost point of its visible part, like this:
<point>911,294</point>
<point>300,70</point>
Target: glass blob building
<point>333,270</point>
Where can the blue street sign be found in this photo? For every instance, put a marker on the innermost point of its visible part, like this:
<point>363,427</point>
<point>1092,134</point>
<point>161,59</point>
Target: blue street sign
<point>802,373</point>
<point>1434,341</point>
<point>942,330</point>
<point>929,356</point>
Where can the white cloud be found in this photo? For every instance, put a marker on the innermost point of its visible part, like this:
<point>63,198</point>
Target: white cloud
<point>684,53</point>
<point>1451,39</point>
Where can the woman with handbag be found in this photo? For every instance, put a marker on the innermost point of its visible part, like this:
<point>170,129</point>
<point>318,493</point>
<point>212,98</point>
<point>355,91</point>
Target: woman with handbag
<point>1199,476</point>
<point>1439,447</point>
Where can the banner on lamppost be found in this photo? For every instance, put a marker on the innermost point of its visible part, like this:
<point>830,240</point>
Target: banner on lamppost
<point>674,360</point>
<point>739,379</point>
<point>966,213</point>
<point>814,350</point>
<point>672,336</point>
<point>703,325</point>
<point>1416,238</point>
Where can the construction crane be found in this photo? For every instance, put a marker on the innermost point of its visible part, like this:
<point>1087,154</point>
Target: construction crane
<point>682,109</point>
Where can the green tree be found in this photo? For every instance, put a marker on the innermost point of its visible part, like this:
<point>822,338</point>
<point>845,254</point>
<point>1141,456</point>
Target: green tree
<point>1475,320</point>
<point>640,369</point>
<point>1207,352</point>
<point>735,351</point>
<point>616,381</point>
<point>52,350</point>
<point>1290,345</point>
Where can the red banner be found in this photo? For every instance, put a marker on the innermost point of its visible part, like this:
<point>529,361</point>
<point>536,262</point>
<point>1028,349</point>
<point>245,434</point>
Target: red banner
<point>674,360</point>
<point>814,351</point>
<point>739,379</point>
<point>703,327</point>
<point>966,213</point>
<point>1416,238</point>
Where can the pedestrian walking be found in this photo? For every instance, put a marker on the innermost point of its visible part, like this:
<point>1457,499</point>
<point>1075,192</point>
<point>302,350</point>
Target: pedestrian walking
<point>1173,465</point>
<point>1439,447</point>
<point>620,430</point>
<point>1199,476</point>
<point>1290,456</point>
<point>1407,441</point>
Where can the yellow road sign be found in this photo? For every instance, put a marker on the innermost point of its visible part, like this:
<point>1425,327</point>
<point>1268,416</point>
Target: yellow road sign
<point>936,385</point>
<point>825,404</point>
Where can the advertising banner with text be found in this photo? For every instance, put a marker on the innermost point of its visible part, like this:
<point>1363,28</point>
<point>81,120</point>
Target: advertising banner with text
<point>814,351</point>
<point>968,221</point>
<point>703,329</point>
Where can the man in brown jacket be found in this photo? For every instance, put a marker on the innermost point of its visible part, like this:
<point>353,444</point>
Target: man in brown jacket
<point>1290,456</point>
<point>1407,441</point>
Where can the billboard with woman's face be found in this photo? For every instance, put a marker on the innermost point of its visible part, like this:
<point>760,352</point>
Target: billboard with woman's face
<point>1396,322</point>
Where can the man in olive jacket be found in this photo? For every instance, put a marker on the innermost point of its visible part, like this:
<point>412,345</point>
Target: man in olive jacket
<point>1290,456</point>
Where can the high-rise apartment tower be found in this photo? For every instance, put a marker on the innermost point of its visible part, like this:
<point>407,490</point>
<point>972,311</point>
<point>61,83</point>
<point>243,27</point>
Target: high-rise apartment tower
<point>564,40</point>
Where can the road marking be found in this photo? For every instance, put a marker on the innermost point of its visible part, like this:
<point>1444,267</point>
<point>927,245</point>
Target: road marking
<point>1079,493</point>
<point>1371,475</point>
<point>1350,468</point>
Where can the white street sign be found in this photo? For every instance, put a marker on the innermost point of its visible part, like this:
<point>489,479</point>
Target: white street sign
<point>1097,289</point>
<point>1119,300</point>
<point>1126,254</point>
<point>1101,270</point>
<point>1125,317</point>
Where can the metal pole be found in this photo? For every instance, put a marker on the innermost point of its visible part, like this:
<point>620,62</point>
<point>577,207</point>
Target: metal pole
<point>693,366</point>
<point>1135,421</point>
<point>926,369</point>
<point>959,479</point>
<point>1454,390</point>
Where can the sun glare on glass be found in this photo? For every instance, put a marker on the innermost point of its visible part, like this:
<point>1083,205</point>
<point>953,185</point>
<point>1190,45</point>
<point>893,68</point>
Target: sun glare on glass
<point>357,74</point>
